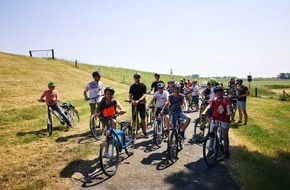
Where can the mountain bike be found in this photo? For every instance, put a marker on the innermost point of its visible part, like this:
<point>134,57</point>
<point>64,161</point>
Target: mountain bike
<point>96,127</point>
<point>136,124</point>
<point>213,144</point>
<point>202,123</point>
<point>174,139</point>
<point>68,109</point>
<point>159,129</point>
<point>116,141</point>
<point>189,100</point>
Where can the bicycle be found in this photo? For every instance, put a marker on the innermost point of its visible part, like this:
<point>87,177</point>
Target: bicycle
<point>116,141</point>
<point>202,123</point>
<point>150,116</point>
<point>96,127</point>
<point>174,139</point>
<point>189,100</point>
<point>213,144</point>
<point>136,124</point>
<point>233,107</point>
<point>68,109</point>
<point>159,129</point>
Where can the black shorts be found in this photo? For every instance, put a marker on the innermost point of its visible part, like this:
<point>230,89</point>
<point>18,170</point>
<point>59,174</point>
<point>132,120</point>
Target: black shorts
<point>141,108</point>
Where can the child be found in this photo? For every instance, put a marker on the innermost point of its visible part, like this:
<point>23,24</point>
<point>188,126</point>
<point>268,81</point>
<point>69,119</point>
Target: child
<point>52,99</point>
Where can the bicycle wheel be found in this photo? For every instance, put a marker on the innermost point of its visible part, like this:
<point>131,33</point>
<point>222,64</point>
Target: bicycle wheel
<point>49,123</point>
<point>150,118</point>
<point>129,140</point>
<point>233,110</point>
<point>96,127</point>
<point>159,133</point>
<point>73,117</point>
<point>210,150</point>
<point>172,148</point>
<point>109,156</point>
<point>201,129</point>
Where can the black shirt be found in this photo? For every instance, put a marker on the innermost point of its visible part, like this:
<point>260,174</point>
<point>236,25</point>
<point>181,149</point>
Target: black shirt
<point>154,85</point>
<point>241,91</point>
<point>137,90</point>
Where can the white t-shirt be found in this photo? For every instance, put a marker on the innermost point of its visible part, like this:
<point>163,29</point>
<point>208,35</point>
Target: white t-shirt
<point>195,90</point>
<point>212,94</point>
<point>95,90</point>
<point>161,98</point>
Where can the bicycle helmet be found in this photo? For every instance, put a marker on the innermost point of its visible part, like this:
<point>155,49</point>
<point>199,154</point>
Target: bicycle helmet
<point>212,81</point>
<point>160,85</point>
<point>176,85</point>
<point>156,75</point>
<point>218,88</point>
<point>109,89</point>
<point>96,73</point>
<point>51,84</point>
<point>137,75</point>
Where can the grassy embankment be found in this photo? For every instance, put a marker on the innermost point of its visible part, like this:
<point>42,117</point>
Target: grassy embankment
<point>31,160</point>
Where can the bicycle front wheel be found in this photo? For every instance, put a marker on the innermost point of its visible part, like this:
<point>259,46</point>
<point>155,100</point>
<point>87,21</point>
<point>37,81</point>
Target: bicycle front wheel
<point>73,117</point>
<point>96,127</point>
<point>210,150</point>
<point>159,133</point>
<point>129,140</point>
<point>109,157</point>
<point>172,148</point>
<point>201,129</point>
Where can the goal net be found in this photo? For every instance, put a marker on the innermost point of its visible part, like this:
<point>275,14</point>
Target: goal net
<point>42,53</point>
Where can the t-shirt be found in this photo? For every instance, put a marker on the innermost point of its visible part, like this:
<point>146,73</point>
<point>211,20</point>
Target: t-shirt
<point>137,90</point>
<point>95,90</point>
<point>161,98</point>
<point>220,108</point>
<point>154,85</point>
<point>107,109</point>
<point>176,102</point>
<point>242,90</point>
<point>195,90</point>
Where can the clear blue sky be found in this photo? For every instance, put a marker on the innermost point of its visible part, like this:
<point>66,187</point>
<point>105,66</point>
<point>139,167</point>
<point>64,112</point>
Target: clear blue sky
<point>206,37</point>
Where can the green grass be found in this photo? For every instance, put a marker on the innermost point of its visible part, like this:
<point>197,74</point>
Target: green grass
<point>262,163</point>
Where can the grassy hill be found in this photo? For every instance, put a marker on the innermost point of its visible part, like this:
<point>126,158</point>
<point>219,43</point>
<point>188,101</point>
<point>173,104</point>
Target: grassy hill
<point>32,160</point>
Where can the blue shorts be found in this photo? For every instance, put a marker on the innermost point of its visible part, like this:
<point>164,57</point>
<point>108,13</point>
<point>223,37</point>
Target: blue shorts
<point>195,99</point>
<point>241,105</point>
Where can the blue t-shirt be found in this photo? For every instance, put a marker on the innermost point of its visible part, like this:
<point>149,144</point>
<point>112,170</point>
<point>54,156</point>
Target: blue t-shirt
<point>176,102</point>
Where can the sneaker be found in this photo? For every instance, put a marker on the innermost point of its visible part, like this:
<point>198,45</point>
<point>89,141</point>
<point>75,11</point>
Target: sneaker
<point>145,134</point>
<point>69,124</point>
<point>245,123</point>
<point>227,155</point>
<point>239,121</point>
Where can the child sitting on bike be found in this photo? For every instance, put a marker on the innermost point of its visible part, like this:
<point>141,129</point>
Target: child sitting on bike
<point>221,114</point>
<point>177,103</point>
<point>52,99</point>
<point>107,107</point>
<point>160,97</point>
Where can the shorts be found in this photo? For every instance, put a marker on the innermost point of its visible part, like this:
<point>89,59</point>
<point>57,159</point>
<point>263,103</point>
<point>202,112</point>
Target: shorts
<point>224,125</point>
<point>195,99</point>
<point>158,110</point>
<point>241,105</point>
<point>141,109</point>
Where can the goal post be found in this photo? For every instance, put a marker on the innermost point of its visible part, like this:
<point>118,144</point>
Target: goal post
<point>49,53</point>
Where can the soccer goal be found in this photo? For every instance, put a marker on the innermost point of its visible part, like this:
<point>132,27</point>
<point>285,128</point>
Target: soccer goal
<point>49,53</point>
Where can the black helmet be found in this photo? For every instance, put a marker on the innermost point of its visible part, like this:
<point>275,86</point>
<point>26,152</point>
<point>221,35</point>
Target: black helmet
<point>96,73</point>
<point>218,88</point>
<point>136,74</point>
<point>160,85</point>
<point>156,75</point>
<point>176,85</point>
<point>109,89</point>
<point>240,81</point>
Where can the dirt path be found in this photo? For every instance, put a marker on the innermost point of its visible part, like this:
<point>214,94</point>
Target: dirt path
<point>149,168</point>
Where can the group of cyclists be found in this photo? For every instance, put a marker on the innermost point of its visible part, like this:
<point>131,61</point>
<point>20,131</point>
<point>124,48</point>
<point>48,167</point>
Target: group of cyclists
<point>166,99</point>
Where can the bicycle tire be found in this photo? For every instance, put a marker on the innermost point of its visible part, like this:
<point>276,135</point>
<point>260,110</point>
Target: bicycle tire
<point>210,150</point>
<point>73,117</point>
<point>172,148</point>
<point>96,127</point>
<point>201,129</point>
<point>158,133</point>
<point>109,162</point>
<point>49,124</point>
<point>129,137</point>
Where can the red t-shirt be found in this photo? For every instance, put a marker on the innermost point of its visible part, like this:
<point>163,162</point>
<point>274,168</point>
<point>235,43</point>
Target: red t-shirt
<point>220,109</point>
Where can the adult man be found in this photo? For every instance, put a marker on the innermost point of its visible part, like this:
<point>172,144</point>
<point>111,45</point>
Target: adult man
<point>137,96</point>
<point>243,92</point>
<point>95,91</point>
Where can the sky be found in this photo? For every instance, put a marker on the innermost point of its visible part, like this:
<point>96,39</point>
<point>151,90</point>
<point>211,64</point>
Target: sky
<point>205,37</point>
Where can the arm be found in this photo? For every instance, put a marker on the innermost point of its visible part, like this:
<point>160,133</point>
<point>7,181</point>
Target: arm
<point>85,94</point>
<point>121,108</point>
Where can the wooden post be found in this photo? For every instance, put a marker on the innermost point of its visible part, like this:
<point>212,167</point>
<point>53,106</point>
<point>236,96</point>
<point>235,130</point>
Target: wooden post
<point>76,63</point>
<point>52,53</point>
<point>256,92</point>
<point>30,53</point>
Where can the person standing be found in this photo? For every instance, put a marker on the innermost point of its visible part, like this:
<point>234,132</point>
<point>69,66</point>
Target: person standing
<point>243,92</point>
<point>137,96</point>
<point>95,91</point>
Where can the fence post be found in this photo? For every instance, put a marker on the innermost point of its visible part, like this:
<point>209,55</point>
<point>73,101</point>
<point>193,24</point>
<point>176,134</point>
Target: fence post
<point>52,54</point>
<point>256,92</point>
<point>76,63</point>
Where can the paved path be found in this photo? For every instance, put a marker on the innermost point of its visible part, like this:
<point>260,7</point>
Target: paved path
<point>149,168</point>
